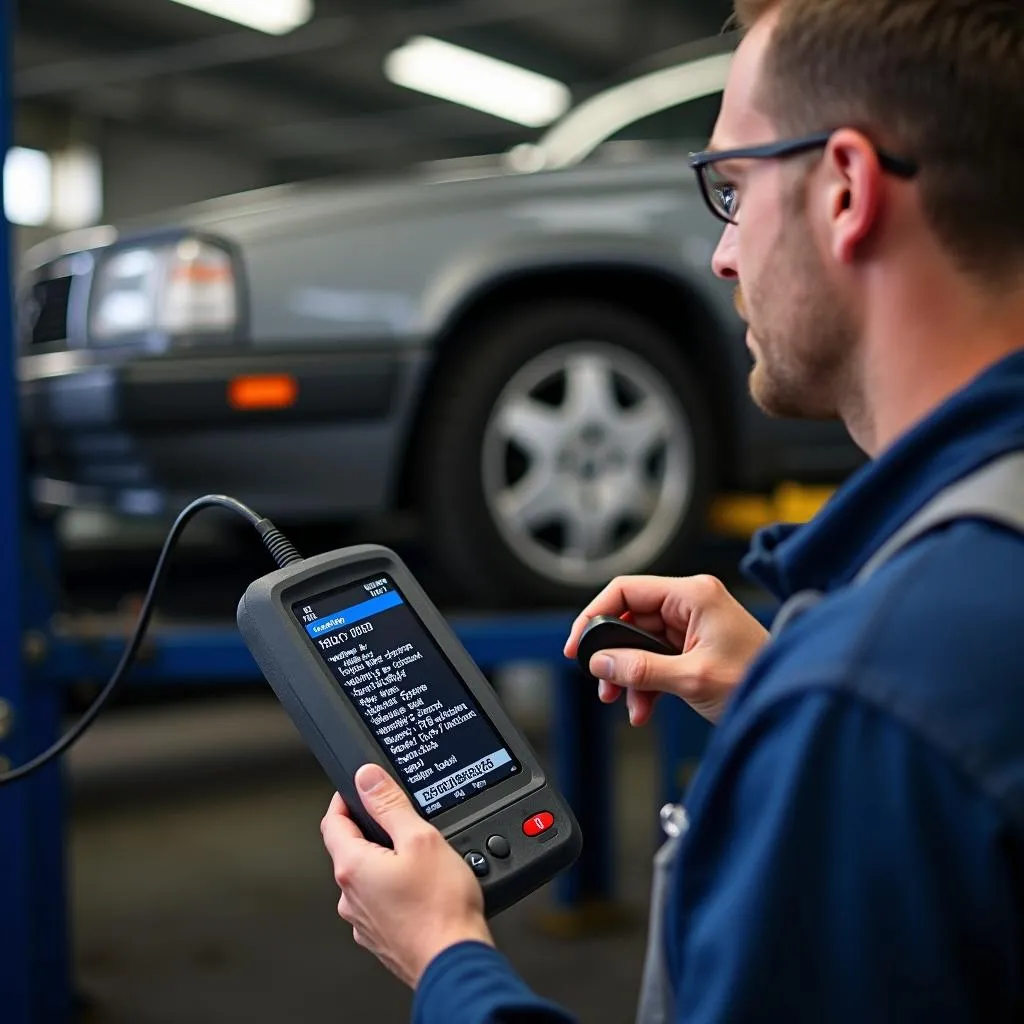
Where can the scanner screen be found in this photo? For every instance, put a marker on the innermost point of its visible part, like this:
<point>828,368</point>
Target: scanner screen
<point>419,710</point>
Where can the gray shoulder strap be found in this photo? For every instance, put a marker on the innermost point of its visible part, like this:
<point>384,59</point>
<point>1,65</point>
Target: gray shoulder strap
<point>995,492</point>
<point>799,603</point>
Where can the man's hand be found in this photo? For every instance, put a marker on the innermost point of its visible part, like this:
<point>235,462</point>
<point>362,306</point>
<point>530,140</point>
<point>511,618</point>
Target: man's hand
<point>408,904</point>
<point>716,636</point>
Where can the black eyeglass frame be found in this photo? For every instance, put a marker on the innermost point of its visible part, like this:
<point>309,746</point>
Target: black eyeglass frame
<point>900,166</point>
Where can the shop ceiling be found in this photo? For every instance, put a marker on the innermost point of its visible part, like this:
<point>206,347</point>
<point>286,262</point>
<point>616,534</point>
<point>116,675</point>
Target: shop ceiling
<point>316,101</point>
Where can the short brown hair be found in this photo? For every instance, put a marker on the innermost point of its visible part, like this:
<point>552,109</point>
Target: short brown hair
<point>938,81</point>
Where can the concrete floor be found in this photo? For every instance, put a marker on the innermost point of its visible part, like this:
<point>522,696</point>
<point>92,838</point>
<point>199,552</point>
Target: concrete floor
<point>201,891</point>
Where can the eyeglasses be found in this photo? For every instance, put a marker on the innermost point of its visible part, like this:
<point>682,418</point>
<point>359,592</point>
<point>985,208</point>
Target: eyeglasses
<point>721,195</point>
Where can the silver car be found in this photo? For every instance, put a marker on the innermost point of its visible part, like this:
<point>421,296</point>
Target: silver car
<point>528,352</point>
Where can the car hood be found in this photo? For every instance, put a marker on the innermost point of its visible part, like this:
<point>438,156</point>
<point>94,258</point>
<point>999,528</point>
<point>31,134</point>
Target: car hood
<point>307,208</point>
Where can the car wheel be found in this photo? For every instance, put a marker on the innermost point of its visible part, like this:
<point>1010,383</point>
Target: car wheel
<point>568,444</point>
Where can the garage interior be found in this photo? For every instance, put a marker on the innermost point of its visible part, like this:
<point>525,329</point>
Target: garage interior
<point>197,884</point>
<point>184,106</point>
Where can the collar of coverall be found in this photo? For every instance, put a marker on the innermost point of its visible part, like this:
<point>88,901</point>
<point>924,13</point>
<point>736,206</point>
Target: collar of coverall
<point>980,422</point>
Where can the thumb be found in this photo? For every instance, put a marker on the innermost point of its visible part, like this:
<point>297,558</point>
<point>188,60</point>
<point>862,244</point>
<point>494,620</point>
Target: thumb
<point>385,801</point>
<point>638,670</point>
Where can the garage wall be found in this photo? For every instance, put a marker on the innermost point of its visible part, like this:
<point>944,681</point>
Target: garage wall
<point>145,173</point>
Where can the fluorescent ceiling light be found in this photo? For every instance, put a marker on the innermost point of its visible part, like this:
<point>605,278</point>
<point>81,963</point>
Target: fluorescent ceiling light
<point>474,80</point>
<point>28,190</point>
<point>77,188</point>
<point>275,17</point>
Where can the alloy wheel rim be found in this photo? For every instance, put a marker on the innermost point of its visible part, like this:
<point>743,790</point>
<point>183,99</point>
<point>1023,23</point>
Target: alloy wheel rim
<point>588,463</point>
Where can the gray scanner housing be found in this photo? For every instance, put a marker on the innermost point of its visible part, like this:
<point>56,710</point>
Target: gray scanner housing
<point>341,742</point>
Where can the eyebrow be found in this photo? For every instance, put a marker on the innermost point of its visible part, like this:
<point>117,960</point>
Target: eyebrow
<point>715,147</point>
<point>727,167</point>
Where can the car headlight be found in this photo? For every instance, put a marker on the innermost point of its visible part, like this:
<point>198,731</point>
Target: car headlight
<point>187,287</point>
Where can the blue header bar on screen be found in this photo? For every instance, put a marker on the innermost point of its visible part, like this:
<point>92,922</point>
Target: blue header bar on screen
<point>357,613</point>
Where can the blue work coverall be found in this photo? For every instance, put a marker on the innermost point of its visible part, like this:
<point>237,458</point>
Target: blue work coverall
<point>856,841</point>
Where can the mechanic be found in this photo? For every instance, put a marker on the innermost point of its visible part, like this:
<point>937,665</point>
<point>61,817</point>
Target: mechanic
<point>855,839</point>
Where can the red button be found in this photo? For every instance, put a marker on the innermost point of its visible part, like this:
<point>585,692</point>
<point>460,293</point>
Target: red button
<point>538,823</point>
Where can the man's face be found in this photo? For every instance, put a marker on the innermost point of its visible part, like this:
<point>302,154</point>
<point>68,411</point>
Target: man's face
<point>799,331</point>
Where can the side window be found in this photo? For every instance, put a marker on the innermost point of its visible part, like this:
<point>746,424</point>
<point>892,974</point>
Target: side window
<point>691,122</point>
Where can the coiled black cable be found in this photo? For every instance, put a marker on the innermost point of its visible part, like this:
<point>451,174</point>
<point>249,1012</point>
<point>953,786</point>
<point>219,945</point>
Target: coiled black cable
<point>281,550</point>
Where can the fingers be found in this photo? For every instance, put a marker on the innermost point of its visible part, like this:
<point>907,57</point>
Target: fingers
<point>641,707</point>
<point>343,841</point>
<point>632,705</point>
<point>651,622</point>
<point>639,704</point>
<point>639,670</point>
<point>387,804</point>
<point>336,825</point>
<point>636,594</point>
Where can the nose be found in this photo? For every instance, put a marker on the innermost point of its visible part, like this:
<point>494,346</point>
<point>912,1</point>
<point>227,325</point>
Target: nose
<point>724,262</point>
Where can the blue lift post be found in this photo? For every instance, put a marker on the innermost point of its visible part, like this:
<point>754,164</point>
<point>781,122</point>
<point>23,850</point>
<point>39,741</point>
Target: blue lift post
<point>33,924</point>
<point>34,936</point>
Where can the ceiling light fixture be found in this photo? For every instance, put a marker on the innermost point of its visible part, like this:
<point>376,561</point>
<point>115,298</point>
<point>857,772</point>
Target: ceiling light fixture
<point>275,17</point>
<point>28,186</point>
<point>77,188</point>
<point>474,80</point>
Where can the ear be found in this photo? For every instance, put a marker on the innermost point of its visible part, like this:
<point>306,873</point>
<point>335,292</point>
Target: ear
<point>853,192</point>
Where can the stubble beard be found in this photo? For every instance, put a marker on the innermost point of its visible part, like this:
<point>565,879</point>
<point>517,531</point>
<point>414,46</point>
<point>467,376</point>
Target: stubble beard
<point>804,336</point>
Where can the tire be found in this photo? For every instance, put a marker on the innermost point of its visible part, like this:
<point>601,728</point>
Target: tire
<point>548,391</point>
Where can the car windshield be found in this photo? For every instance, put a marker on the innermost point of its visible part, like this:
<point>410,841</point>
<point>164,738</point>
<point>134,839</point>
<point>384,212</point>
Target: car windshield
<point>689,123</point>
<point>675,104</point>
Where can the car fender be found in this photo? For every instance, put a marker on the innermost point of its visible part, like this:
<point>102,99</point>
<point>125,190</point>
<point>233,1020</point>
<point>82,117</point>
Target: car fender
<point>460,281</point>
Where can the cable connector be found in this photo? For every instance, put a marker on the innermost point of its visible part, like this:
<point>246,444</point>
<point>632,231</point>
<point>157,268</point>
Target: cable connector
<point>280,547</point>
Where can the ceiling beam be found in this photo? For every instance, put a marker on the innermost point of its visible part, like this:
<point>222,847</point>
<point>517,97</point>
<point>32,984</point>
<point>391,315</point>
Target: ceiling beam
<point>181,58</point>
<point>118,57</point>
